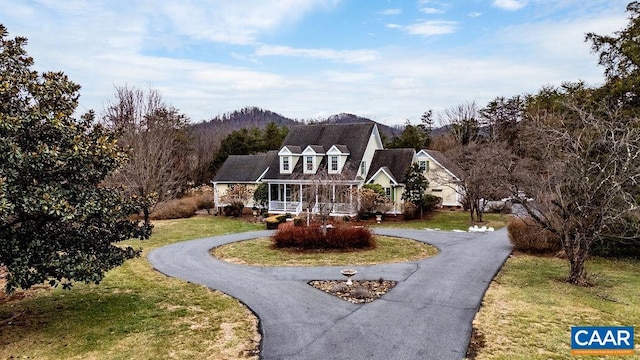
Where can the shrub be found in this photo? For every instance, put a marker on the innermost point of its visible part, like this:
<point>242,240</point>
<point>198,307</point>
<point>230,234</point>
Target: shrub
<point>409,211</point>
<point>298,221</point>
<point>274,221</point>
<point>621,239</point>
<point>176,209</point>
<point>310,237</point>
<point>234,209</point>
<point>529,237</point>
<point>431,202</point>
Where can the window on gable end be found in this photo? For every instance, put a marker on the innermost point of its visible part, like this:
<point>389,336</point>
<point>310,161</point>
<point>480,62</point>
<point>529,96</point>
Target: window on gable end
<point>423,165</point>
<point>285,163</point>
<point>363,168</point>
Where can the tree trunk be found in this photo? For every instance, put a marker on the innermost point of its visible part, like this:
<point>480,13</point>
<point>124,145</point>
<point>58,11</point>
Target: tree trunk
<point>471,211</point>
<point>479,214</point>
<point>577,253</point>
<point>145,211</point>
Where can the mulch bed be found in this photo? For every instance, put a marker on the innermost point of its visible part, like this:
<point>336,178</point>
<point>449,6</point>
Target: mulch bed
<point>362,291</point>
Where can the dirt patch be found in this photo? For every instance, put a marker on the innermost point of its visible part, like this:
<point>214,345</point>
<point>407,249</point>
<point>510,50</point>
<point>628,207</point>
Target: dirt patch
<point>476,343</point>
<point>362,291</point>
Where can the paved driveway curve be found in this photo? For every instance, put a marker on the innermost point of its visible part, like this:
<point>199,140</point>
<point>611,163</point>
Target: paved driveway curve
<point>427,315</point>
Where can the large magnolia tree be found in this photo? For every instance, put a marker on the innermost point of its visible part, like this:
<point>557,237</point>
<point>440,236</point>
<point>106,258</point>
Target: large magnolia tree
<point>57,222</point>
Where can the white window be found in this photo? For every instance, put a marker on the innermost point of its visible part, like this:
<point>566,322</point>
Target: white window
<point>387,192</point>
<point>309,163</point>
<point>334,163</point>
<point>285,163</point>
<point>363,168</point>
<point>423,165</point>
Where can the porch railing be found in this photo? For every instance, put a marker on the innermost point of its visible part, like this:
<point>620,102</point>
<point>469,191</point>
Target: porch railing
<point>286,206</point>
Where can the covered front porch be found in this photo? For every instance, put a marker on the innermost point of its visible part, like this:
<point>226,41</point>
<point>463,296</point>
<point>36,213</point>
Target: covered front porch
<point>331,199</point>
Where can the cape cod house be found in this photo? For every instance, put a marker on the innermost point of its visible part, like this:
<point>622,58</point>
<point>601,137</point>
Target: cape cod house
<point>320,166</point>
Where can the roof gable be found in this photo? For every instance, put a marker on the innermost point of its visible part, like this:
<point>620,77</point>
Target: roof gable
<point>352,138</point>
<point>395,161</point>
<point>245,168</point>
<point>444,162</point>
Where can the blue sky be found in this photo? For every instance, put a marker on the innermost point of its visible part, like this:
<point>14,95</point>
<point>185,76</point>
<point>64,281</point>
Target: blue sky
<point>386,60</point>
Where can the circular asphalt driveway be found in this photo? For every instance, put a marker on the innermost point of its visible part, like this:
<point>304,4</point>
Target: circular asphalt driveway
<point>427,315</point>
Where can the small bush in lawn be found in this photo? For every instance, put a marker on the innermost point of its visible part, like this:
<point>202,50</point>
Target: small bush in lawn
<point>311,237</point>
<point>234,209</point>
<point>409,211</point>
<point>274,221</point>
<point>529,237</point>
<point>431,202</point>
<point>175,209</point>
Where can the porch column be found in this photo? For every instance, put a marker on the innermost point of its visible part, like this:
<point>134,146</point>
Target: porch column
<point>269,192</point>
<point>284,198</point>
<point>299,209</point>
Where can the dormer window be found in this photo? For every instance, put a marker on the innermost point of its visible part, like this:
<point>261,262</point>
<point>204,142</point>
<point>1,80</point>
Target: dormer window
<point>289,156</point>
<point>308,163</point>
<point>312,157</point>
<point>334,163</point>
<point>337,157</point>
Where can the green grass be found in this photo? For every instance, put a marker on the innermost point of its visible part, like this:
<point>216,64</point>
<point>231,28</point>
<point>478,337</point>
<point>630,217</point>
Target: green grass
<point>529,309</point>
<point>260,253</point>
<point>135,313</point>
<point>449,220</point>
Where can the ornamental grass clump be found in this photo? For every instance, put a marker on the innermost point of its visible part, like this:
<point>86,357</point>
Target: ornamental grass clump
<point>312,237</point>
<point>529,237</point>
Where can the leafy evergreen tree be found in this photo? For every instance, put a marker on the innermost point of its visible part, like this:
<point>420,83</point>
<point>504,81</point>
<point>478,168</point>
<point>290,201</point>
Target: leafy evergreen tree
<point>57,222</point>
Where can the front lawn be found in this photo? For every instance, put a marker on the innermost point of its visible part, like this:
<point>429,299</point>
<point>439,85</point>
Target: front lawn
<point>447,221</point>
<point>135,313</point>
<point>260,253</point>
<point>528,310</point>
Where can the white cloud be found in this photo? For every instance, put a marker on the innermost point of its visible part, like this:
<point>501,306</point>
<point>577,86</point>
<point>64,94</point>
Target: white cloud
<point>236,22</point>
<point>510,5</point>
<point>432,6</point>
<point>432,27</point>
<point>347,56</point>
<point>474,14</point>
<point>393,26</point>
<point>430,10</point>
<point>390,12</point>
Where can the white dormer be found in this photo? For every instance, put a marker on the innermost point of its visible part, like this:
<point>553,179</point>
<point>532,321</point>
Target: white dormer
<point>336,158</point>
<point>311,158</point>
<point>289,156</point>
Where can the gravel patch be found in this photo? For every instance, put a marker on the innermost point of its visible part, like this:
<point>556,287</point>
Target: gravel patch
<point>362,291</point>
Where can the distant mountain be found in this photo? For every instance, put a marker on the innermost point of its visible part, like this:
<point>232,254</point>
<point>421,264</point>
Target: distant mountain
<point>344,118</point>
<point>246,117</point>
<point>222,125</point>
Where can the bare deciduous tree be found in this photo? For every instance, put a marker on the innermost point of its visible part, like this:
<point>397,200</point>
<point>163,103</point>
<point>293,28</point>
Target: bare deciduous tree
<point>586,179</point>
<point>483,169</point>
<point>463,122</point>
<point>155,137</point>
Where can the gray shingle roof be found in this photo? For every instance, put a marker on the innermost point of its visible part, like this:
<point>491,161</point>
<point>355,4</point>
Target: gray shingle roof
<point>356,136</point>
<point>317,148</point>
<point>446,163</point>
<point>244,168</point>
<point>397,161</point>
